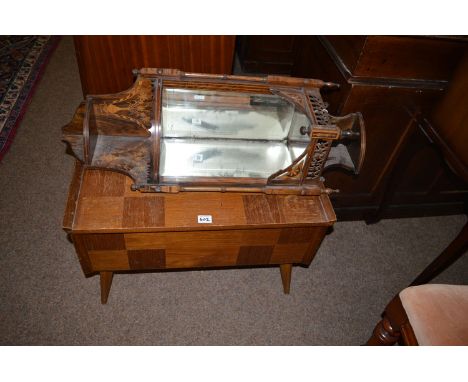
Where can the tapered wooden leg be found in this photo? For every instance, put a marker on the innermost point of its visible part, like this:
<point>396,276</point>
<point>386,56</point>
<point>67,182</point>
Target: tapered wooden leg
<point>106,282</point>
<point>285,270</point>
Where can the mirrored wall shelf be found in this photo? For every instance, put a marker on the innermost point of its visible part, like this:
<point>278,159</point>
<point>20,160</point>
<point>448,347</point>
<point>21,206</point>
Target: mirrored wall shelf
<point>174,131</point>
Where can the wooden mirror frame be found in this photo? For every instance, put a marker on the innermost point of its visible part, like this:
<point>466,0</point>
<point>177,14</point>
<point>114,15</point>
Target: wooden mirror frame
<point>136,113</point>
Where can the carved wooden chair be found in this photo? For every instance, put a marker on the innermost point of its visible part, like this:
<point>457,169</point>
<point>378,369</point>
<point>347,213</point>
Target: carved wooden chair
<point>430,314</point>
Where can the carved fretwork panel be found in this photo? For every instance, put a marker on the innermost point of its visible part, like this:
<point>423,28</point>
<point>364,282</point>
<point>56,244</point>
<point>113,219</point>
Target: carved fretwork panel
<point>320,111</point>
<point>322,148</point>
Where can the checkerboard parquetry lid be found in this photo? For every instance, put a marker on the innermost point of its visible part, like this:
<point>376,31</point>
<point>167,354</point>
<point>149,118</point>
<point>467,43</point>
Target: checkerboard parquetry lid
<point>102,201</point>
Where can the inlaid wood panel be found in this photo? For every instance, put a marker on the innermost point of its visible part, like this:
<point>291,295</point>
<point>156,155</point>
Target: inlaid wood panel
<point>261,209</point>
<point>252,255</point>
<point>296,235</point>
<point>265,209</point>
<point>143,212</point>
<point>105,241</point>
<point>147,258</point>
<point>164,250</point>
<point>99,213</point>
<point>295,208</point>
<point>189,240</point>
<point>101,183</point>
<point>213,258</point>
<point>315,240</point>
<point>106,203</point>
<point>109,260</point>
<point>289,253</point>
<point>182,209</point>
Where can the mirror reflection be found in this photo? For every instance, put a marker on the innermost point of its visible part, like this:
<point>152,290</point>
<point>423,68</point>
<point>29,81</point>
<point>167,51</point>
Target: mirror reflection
<point>228,134</point>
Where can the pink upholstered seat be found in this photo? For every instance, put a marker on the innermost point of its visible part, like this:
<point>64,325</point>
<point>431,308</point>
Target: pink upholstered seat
<point>438,313</point>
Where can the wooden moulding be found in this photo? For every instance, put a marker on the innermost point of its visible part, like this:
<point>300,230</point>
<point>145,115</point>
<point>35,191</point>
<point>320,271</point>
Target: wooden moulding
<point>156,131</point>
<point>175,74</point>
<point>86,145</point>
<point>73,193</point>
<point>122,132</point>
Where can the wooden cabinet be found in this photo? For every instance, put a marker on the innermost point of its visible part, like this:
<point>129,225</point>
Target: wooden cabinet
<point>395,82</point>
<point>115,229</point>
<point>106,62</point>
<point>395,57</point>
<point>261,54</point>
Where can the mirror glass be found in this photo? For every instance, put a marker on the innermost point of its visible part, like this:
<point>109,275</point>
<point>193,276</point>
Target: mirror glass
<point>229,134</point>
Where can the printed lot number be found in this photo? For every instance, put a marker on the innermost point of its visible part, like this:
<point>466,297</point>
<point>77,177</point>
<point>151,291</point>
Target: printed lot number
<point>205,219</point>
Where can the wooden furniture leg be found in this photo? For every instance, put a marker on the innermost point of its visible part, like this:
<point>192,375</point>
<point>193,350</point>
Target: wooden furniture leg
<point>393,327</point>
<point>286,270</point>
<point>384,334</point>
<point>106,282</point>
<point>452,253</point>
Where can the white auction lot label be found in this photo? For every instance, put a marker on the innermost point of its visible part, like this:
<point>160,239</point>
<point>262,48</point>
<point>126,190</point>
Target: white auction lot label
<point>205,219</point>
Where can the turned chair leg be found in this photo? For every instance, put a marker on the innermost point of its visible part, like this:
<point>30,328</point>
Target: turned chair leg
<point>286,270</point>
<point>384,334</point>
<point>393,327</point>
<point>106,282</point>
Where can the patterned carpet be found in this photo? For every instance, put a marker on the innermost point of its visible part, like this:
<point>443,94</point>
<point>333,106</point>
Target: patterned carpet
<point>22,61</point>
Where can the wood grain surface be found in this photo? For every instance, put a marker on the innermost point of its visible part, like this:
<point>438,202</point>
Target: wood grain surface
<point>387,78</point>
<point>107,204</point>
<point>106,62</point>
<point>116,229</point>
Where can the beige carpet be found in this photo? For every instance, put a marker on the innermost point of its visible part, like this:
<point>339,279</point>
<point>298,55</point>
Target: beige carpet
<point>46,300</point>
